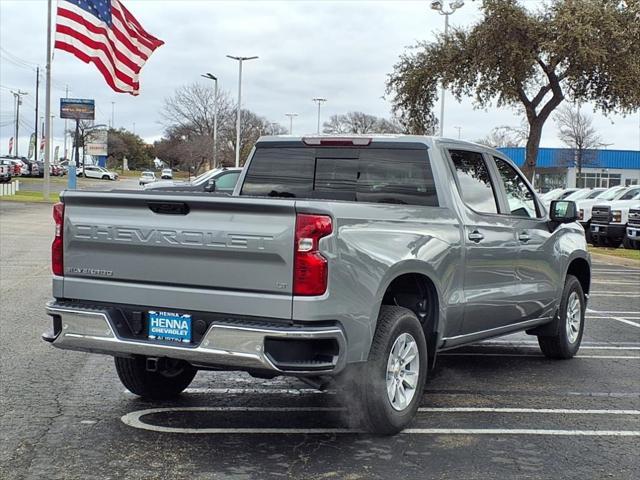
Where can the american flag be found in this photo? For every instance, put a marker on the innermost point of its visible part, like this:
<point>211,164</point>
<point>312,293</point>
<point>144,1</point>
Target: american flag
<point>104,32</point>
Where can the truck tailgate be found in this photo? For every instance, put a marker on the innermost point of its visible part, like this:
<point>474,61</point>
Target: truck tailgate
<point>175,243</point>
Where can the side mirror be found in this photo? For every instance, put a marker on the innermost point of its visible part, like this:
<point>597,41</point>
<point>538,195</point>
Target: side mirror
<point>563,211</point>
<point>210,186</point>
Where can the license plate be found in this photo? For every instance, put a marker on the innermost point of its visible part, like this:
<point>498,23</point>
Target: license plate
<point>632,233</point>
<point>595,228</point>
<point>175,327</point>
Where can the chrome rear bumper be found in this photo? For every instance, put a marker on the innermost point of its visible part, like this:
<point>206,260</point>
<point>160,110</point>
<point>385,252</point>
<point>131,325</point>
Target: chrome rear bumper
<point>233,346</point>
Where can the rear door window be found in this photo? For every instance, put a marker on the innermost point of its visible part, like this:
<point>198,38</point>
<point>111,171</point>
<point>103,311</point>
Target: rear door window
<point>377,175</point>
<point>476,188</point>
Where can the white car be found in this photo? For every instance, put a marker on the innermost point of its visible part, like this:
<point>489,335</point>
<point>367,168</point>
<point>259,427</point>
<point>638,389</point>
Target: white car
<point>166,174</point>
<point>147,177</point>
<point>93,171</point>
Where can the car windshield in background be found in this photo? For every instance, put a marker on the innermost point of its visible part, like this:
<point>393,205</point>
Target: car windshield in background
<point>595,194</point>
<point>379,175</point>
<point>631,194</point>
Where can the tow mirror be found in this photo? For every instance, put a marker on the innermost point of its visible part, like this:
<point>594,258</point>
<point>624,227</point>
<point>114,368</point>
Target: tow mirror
<point>563,211</point>
<point>210,186</point>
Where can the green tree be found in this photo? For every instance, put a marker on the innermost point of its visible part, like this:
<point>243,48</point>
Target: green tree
<point>586,50</point>
<point>123,143</point>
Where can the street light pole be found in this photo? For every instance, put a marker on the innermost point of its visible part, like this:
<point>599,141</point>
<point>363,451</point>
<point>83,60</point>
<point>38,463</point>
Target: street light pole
<point>239,113</point>
<point>438,5</point>
<point>319,101</point>
<point>210,76</point>
<point>291,115</point>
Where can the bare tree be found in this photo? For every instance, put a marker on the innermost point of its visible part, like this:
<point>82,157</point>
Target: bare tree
<point>360,123</point>
<point>505,136</point>
<point>576,130</point>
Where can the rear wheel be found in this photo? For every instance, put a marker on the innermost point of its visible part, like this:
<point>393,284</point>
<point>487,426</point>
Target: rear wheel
<point>565,335</point>
<point>391,383</point>
<point>167,381</point>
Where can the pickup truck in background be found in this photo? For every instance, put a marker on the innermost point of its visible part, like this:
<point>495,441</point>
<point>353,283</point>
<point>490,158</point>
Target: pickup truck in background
<point>609,220</point>
<point>584,206</point>
<point>633,228</point>
<point>341,261</point>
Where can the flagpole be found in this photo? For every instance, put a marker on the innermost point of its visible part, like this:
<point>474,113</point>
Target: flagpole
<point>47,125</point>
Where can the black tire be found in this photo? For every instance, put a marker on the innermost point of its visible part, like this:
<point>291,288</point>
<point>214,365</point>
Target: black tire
<point>628,243</point>
<point>613,242</point>
<point>162,384</point>
<point>377,413</point>
<point>106,177</point>
<point>556,342</point>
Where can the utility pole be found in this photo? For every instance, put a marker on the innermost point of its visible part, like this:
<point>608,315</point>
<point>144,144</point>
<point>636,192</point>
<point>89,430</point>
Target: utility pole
<point>66,126</point>
<point>459,131</point>
<point>211,76</point>
<point>438,6</point>
<point>47,129</point>
<point>239,114</point>
<point>319,101</point>
<point>35,150</point>
<point>291,115</point>
<point>18,98</point>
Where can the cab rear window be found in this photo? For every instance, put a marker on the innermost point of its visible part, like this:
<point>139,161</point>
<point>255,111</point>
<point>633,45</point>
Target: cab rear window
<point>377,175</point>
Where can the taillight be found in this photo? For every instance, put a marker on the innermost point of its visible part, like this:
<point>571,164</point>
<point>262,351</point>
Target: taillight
<point>337,141</point>
<point>310,269</point>
<point>57,265</point>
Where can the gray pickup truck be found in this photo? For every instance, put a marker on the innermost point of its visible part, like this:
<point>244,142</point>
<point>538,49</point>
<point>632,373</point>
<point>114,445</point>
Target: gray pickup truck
<point>351,261</point>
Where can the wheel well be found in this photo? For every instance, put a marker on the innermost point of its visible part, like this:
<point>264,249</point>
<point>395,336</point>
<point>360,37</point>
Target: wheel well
<point>579,268</point>
<point>417,293</point>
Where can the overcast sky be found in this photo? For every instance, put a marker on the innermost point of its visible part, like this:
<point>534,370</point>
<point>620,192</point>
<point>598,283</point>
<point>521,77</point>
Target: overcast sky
<point>341,50</point>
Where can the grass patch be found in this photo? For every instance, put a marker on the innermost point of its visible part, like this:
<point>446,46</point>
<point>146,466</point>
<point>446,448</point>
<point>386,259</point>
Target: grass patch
<point>617,252</point>
<point>31,197</point>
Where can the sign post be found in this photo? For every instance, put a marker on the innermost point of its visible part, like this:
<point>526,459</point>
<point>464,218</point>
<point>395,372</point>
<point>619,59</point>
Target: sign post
<point>76,109</point>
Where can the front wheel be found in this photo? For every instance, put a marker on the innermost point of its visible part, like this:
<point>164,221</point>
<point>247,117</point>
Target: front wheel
<point>393,378</point>
<point>167,381</point>
<point>565,335</point>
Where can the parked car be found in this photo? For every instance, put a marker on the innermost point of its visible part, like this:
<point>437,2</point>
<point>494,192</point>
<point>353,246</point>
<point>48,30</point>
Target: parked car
<point>557,194</point>
<point>167,174</point>
<point>347,260</point>
<point>584,206</point>
<point>14,165</point>
<point>93,171</point>
<point>633,228</point>
<point>5,171</point>
<point>609,221</point>
<point>584,194</point>
<point>219,180</point>
<point>146,178</point>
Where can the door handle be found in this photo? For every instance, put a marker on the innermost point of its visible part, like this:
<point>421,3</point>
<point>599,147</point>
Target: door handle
<point>476,236</point>
<point>524,237</point>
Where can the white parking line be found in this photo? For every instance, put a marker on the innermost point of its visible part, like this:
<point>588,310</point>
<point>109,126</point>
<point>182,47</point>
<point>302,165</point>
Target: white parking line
<point>603,357</point>
<point>616,312</point>
<point>522,431</point>
<point>527,410</point>
<point>133,419</point>
<point>617,318</point>
<point>535,344</point>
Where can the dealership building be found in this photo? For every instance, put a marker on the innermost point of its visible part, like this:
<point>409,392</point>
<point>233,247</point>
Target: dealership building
<point>556,167</point>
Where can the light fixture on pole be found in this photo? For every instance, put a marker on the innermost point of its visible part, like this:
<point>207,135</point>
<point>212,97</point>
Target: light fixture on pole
<point>319,101</point>
<point>211,76</point>
<point>291,115</point>
<point>239,114</point>
<point>439,6</point>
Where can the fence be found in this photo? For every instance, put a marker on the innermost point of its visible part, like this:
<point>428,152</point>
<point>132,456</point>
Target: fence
<point>8,189</point>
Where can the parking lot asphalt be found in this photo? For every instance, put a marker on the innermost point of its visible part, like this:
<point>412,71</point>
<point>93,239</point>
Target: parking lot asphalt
<point>497,409</point>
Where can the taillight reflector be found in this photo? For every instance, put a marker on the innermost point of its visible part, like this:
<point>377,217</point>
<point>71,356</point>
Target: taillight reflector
<point>310,271</point>
<point>57,265</point>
